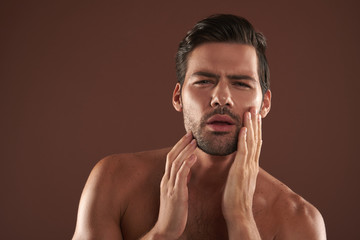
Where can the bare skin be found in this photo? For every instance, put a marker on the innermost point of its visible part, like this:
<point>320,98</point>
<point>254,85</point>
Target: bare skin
<point>184,192</point>
<point>122,197</point>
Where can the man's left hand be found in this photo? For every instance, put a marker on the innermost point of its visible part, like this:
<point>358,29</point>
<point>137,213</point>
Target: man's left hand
<point>241,182</point>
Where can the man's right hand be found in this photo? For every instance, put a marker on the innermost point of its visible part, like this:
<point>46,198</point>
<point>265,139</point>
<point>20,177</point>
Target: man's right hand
<point>173,211</point>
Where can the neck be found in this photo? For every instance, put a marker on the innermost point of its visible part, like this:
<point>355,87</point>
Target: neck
<point>210,171</point>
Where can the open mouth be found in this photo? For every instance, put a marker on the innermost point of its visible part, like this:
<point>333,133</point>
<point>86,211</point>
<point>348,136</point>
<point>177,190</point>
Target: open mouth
<point>220,123</point>
<point>221,119</point>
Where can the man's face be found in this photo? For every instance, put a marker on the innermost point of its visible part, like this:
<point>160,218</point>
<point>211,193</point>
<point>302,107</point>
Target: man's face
<point>221,84</point>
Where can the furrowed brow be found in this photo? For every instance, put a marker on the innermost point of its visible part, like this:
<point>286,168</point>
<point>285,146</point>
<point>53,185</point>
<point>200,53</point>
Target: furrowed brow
<point>241,77</point>
<point>205,74</point>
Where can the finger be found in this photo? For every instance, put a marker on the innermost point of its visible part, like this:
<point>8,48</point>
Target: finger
<point>254,120</point>
<point>242,147</point>
<point>174,152</point>
<point>182,174</point>
<point>250,134</point>
<point>257,154</point>
<point>178,162</point>
<point>259,127</point>
<point>259,143</point>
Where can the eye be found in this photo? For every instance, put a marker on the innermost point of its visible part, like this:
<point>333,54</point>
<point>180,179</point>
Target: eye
<point>203,82</point>
<point>241,84</point>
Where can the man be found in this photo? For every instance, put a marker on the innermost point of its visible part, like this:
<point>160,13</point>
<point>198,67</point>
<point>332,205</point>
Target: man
<point>209,185</point>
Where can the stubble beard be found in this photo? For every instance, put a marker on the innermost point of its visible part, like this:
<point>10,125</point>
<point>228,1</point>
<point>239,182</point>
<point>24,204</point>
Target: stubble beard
<point>214,143</point>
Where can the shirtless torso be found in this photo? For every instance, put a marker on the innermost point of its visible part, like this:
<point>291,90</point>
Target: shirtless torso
<point>121,201</point>
<point>210,184</point>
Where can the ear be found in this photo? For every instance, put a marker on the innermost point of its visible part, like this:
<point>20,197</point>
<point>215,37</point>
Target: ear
<point>176,98</point>
<point>266,105</point>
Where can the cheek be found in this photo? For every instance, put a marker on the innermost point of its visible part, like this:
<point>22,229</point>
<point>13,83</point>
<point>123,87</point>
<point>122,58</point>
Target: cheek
<point>193,107</point>
<point>247,101</point>
<point>194,101</point>
<point>257,101</point>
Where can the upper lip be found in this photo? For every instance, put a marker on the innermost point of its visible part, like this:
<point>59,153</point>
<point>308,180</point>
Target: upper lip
<point>221,118</point>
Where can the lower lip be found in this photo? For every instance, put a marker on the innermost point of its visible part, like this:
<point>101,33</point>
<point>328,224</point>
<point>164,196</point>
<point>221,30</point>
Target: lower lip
<point>220,127</point>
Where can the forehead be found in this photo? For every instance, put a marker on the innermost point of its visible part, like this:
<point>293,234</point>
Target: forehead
<point>223,59</point>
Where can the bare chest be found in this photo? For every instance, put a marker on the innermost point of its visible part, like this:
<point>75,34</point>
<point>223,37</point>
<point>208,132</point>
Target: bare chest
<point>205,219</point>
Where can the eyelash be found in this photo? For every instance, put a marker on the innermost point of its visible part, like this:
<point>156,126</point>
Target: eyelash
<point>240,84</point>
<point>202,82</point>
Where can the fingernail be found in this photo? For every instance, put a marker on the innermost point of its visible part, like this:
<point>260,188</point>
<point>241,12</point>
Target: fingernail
<point>193,142</point>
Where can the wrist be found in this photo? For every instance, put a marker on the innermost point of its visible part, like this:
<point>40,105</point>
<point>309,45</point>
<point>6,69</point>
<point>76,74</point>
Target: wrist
<point>236,220</point>
<point>156,234</point>
<point>238,215</point>
<point>242,227</point>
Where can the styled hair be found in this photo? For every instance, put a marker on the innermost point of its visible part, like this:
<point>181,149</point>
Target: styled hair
<point>223,28</point>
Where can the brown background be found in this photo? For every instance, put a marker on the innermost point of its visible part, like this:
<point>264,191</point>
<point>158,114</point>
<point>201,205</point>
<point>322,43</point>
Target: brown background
<point>80,80</point>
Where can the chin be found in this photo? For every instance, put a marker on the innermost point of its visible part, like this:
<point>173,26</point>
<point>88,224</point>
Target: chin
<point>217,152</point>
<point>218,144</point>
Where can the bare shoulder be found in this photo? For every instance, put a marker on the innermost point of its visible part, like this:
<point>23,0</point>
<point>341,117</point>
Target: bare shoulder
<point>119,167</point>
<point>296,217</point>
<point>115,175</point>
<point>107,191</point>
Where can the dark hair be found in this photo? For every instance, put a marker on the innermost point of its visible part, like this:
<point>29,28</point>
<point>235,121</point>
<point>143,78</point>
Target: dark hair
<point>224,28</point>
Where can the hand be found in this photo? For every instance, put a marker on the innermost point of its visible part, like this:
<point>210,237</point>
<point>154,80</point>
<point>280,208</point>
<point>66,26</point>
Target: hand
<point>241,182</point>
<point>174,191</point>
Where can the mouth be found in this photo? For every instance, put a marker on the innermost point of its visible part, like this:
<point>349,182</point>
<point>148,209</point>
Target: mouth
<point>220,119</point>
<point>220,123</point>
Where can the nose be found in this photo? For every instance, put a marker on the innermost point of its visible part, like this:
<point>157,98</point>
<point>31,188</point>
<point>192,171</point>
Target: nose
<point>221,95</point>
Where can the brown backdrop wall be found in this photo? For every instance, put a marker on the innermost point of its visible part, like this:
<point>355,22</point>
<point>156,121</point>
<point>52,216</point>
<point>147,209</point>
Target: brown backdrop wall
<point>80,80</point>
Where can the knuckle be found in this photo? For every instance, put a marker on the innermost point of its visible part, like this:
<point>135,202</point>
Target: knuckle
<point>176,164</point>
<point>170,193</point>
<point>245,151</point>
<point>170,156</point>
<point>182,172</point>
<point>254,171</point>
<point>181,155</point>
<point>163,183</point>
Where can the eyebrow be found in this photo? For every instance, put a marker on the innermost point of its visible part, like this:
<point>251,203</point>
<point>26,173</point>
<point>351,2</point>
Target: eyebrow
<point>232,77</point>
<point>241,77</point>
<point>205,74</point>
